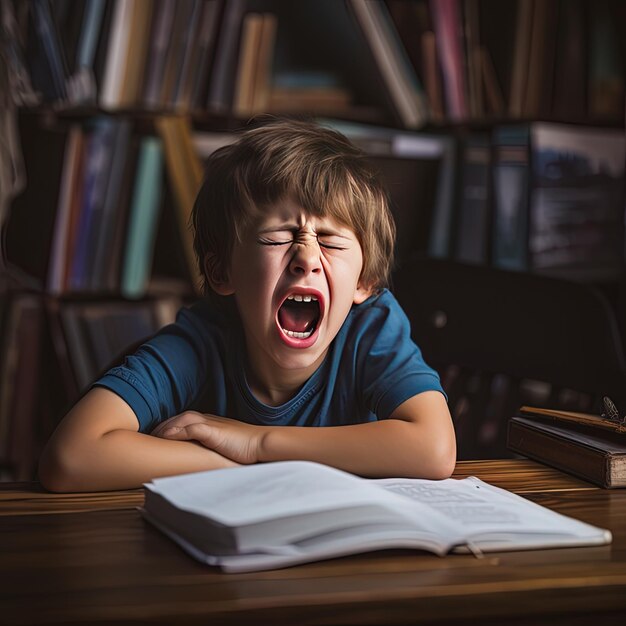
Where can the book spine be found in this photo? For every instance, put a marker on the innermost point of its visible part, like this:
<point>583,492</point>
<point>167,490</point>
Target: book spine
<point>578,460</point>
<point>510,198</point>
<point>472,242</point>
<point>143,218</point>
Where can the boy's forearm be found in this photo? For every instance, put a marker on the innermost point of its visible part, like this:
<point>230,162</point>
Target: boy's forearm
<point>378,449</point>
<point>123,459</point>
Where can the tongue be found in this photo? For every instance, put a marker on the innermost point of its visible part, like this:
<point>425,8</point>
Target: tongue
<point>298,317</point>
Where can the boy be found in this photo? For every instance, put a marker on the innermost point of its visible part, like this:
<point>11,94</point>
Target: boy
<point>291,227</point>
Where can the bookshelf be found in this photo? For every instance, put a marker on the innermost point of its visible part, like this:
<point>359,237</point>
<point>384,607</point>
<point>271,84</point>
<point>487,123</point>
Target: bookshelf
<point>481,116</point>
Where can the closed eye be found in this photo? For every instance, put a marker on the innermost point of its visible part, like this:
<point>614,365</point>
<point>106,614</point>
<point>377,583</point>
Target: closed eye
<point>331,246</point>
<point>270,242</point>
<point>332,242</point>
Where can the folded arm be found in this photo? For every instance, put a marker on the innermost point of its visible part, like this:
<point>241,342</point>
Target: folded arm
<point>416,441</point>
<point>98,447</point>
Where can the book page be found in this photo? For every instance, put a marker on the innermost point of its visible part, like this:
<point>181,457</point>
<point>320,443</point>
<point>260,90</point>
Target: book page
<point>271,491</point>
<point>495,518</point>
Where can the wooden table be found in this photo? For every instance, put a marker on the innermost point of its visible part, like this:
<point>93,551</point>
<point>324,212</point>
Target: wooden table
<point>90,558</point>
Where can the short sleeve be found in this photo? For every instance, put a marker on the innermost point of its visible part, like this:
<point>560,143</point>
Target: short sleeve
<point>168,372</point>
<point>390,365</point>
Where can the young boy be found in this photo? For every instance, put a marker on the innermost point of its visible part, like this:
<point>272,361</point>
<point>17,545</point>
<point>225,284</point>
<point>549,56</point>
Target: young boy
<point>291,227</point>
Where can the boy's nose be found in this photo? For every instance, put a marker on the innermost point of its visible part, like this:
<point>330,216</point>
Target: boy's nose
<point>306,259</point>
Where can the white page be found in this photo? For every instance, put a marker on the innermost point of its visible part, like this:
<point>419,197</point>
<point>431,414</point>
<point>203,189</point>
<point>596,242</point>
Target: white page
<point>256,493</point>
<point>495,516</point>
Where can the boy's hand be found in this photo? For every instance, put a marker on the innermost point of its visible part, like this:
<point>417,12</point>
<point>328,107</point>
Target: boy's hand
<point>238,441</point>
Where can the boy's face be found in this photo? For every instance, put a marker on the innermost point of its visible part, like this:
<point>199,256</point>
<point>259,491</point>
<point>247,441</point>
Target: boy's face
<point>294,277</point>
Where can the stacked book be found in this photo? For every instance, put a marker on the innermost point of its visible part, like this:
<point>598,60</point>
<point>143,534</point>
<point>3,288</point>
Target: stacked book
<point>592,447</point>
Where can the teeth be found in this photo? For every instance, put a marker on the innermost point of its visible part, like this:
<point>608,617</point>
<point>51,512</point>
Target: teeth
<point>293,333</point>
<point>300,298</point>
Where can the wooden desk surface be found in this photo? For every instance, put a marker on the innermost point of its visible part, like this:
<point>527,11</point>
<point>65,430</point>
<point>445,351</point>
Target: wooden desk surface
<point>87,558</point>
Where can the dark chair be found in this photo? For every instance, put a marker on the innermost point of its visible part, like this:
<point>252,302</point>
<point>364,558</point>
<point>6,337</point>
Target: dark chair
<point>501,339</point>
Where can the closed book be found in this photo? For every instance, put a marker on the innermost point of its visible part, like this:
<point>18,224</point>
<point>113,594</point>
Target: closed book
<point>185,172</point>
<point>511,172</point>
<point>393,64</point>
<point>45,54</point>
<point>96,177</point>
<point>144,214</point>
<point>162,19</point>
<point>180,30</point>
<point>596,455</point>
<point>576,203</point>
<point>69,180</point>
<point>223,75</point>
<point>117,55</point>
<point>474,222</point>
<point>112,207</point>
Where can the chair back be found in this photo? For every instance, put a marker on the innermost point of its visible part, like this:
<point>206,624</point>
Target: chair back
<point>501,339</point>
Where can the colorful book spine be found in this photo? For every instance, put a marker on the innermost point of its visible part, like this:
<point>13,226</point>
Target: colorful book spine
<point>145,205</point>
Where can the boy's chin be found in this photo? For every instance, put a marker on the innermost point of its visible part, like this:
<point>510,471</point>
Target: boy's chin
<point>301,358</point>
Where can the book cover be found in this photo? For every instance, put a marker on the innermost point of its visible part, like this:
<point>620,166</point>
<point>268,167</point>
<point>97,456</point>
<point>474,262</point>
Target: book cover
<point>588,452</point>
<point>577,201</point>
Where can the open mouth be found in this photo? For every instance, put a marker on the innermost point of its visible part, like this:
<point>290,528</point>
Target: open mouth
<point>299,315</point>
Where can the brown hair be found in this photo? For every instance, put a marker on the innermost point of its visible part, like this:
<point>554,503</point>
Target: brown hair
<point>314,166</point>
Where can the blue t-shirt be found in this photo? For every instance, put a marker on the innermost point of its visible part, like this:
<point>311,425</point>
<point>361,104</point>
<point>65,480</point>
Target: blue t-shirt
<point>198,363</point>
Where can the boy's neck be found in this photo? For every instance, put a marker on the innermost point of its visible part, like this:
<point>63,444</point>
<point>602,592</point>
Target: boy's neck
<point>275,387</point>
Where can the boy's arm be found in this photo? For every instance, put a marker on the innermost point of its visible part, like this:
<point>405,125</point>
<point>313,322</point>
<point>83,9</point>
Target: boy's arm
<point>416,441</point>
<point>97,446</point>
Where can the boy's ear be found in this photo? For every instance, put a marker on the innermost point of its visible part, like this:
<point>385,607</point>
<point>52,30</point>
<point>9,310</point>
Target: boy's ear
<point>362,293</point>
<point>217,275</point>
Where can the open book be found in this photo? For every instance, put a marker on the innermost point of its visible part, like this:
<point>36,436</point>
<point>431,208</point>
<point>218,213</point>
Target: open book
<point>279,514</point>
